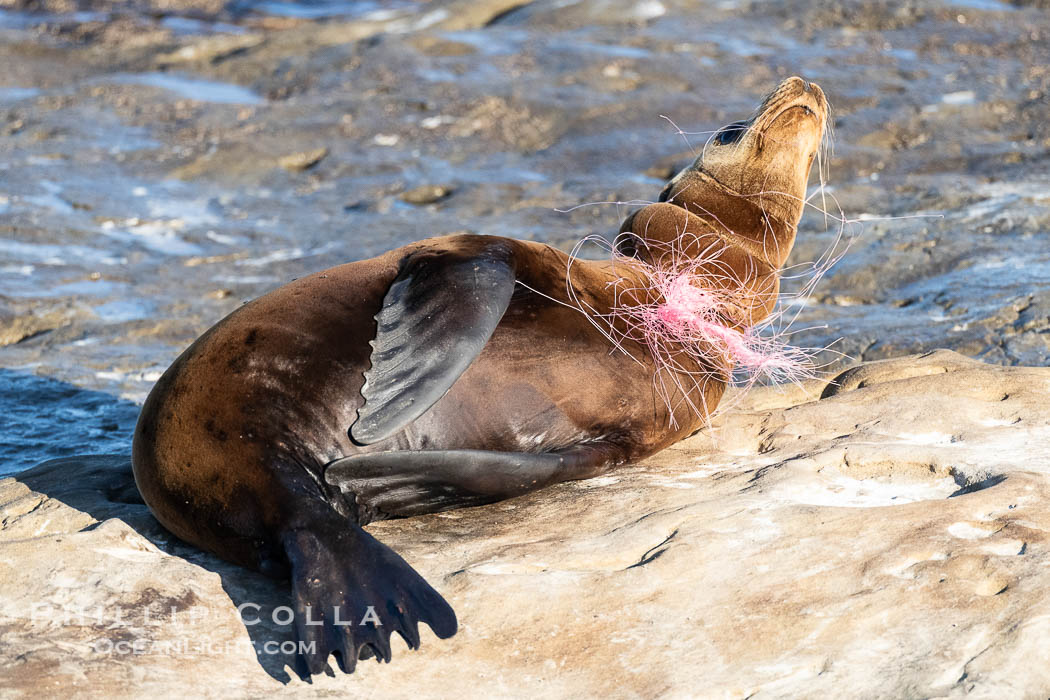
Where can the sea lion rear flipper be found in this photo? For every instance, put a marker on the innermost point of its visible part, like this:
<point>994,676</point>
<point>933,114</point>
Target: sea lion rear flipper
<point>436,317</point>
<point>413,482</point>
<point>351,593</point>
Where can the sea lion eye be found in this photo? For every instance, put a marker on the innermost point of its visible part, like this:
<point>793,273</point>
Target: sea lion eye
<point>731,134</point>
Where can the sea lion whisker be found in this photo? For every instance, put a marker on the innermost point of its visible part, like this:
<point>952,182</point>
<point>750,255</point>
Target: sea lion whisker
<point>679,131</point>
<point>842,218</point>
<point>629,202</point>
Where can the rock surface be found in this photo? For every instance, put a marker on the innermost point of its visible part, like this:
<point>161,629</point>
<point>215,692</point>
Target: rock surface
<point>882,535</point>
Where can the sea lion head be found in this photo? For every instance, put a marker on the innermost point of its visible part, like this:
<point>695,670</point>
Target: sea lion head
<point>750,181</point>
<point>709,252</point>
<point>770,155</point>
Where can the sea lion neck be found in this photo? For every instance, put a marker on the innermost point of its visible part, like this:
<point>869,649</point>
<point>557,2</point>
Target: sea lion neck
<point>758,224</point>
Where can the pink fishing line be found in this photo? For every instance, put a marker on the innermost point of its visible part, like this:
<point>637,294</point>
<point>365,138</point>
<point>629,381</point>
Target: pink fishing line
<point>700,319</point>
<point>690,315</point>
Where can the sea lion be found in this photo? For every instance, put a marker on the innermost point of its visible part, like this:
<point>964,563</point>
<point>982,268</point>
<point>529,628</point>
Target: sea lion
<point>450,372</point>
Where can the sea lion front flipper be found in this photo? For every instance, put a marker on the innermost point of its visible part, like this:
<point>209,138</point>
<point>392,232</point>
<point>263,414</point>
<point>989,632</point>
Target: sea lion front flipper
<point>436,317</point>
<point>413,482</point>
<point>351,593</point>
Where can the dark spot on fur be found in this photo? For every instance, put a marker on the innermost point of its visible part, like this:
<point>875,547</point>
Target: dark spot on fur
<point>665,193</point>
<point>253,335</point>
<point>217,433</point>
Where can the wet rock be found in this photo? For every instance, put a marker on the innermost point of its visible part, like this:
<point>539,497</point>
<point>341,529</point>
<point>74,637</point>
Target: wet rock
<point>16,326</point>
<point>190,7</point>
<point>474,14</point>
<point>13,127</point>
<point>232,162</point>
<point>440,46</point>
<point>517,126</point>
<point>296,162</point>
<point>426,194</point>
<point>890,536</point>
<point>211,49</point>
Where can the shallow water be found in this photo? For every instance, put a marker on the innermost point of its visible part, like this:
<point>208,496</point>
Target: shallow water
<point>323,9</point>
<point>141,196</point>
<point>192,88</point>
<point>16,94</point>
<point>46,419</point>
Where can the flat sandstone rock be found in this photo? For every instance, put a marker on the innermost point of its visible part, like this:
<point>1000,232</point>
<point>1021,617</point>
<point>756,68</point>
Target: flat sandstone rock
<point>883,535</point>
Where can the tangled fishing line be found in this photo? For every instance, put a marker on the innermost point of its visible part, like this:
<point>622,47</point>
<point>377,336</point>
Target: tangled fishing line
<point>693,314</point>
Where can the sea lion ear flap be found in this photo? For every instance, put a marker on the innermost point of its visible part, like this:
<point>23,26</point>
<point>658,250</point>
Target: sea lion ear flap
<point>436,317</point>
<point>665,193</point>
<point>626,242</point>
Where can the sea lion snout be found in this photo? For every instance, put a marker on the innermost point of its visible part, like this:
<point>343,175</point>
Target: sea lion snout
<point>794,92</point>
<point>797,86</point>
<point>767,158</point>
